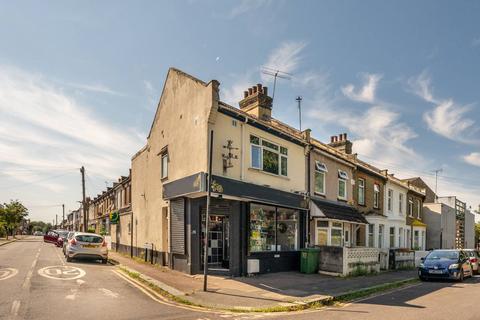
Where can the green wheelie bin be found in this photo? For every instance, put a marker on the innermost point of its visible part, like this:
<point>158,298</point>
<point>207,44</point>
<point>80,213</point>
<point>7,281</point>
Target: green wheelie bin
<point>309,260</point>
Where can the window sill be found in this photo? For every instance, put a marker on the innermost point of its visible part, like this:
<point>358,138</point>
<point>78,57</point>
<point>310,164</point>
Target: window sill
<point>342,199</point>
<point>269,174</point>
<point>319,194</point>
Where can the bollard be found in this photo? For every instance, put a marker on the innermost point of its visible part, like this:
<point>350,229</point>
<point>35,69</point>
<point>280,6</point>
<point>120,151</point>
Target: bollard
<point>151,254</point>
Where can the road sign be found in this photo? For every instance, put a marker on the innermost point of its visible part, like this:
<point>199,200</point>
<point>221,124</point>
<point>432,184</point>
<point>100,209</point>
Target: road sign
<point>6,273</point>
<point>62,272</point>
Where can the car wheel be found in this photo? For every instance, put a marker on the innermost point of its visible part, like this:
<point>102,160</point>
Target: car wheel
<point>69,259</point>
<point>104,261</point>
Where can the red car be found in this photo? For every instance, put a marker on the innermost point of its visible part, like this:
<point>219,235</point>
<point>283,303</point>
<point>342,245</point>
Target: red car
<point>50,237</point>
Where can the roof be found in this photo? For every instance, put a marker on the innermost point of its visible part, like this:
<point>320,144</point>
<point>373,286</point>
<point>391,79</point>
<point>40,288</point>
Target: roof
<point>337,211</point>
<point>418,223</point>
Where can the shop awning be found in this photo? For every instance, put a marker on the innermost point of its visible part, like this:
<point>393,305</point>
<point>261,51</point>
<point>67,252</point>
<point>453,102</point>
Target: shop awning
<point>336,211</point>
<point>418,223</point>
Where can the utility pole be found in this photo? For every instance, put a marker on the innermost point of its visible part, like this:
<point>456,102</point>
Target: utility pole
<point>63,216</point>
<point>56,220</point>
<point>436,182</point>
<point>82,171</point>
<point>299,100</point>
<point>207,216</point>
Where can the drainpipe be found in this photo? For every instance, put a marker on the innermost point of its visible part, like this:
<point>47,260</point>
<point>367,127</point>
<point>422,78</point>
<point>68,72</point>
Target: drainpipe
<point>242,155</point>
<point>308,194</point>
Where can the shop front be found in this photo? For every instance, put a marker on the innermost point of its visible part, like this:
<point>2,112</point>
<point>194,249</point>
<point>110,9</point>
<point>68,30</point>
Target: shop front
<point>252,228</point>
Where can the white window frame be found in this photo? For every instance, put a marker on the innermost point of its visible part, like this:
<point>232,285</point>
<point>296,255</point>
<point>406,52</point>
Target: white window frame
<point>342,178</point>
<point>327,229</point>
<point>376,196</point>
<point>400,203</point>
<point>332,227</point>
<point>371,235</point>
<point>418,209</point>
<point>361,186</point>
<point>381,235</point>
<point>390,200</point>
<point>320,168</point>
<point>410,207</point>
<point>261,147</point>
<point>164,166</point>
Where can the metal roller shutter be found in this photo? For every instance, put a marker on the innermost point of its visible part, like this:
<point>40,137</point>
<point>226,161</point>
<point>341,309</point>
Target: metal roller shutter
<point>177,225</point>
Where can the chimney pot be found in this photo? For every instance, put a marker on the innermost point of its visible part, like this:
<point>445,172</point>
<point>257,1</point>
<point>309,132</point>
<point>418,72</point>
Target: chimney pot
<point>245,94</point>
<point>250,91</point>
<point>259,87</point>
<point>340,137</point>
<point>344,136</point>
<point>265,91</point>
<point>332,139</point>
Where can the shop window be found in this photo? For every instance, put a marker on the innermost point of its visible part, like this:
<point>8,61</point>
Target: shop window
<point>273,229</point>
<point>361,191</point>
<point>336,234</point>
<point>320,170</point>
<point>370,235</point>
<point>268,156</point>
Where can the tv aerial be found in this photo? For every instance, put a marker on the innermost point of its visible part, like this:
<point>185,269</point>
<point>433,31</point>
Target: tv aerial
<point>275,73</point>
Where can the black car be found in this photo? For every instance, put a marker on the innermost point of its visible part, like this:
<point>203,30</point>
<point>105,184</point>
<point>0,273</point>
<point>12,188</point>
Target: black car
<point>445,264</point>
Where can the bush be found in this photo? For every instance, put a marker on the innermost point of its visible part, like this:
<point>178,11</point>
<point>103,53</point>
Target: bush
<point>91,230</point>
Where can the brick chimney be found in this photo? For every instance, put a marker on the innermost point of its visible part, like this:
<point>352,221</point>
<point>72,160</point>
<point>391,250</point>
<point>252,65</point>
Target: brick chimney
<point>341,143</point>
<point>257,102</point>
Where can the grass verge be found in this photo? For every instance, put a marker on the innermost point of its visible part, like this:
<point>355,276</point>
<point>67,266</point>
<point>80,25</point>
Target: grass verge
<point>294,306</point>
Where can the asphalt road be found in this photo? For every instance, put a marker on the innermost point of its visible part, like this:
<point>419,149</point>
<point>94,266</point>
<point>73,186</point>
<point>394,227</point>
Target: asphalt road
<point>37,283</point>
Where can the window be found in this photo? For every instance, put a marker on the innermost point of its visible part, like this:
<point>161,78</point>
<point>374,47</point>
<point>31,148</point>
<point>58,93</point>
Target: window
<point>322,233</point>
<point>400,237</point>
<point>376,196</point>
<point>381,227</point>
<point>273,229</point>
<point>268,157</point>
<point>392,237</point>
<point>419,207</point>
<point>389,200</point>
<point>416,240</point>
<point>423,241</point>
<point>361,191</point>
<point>320,170</point>
<point>336,234</point>
<point>409,239</point>
<point>164,172</point>
<point>342,184</point>
<point>410,207</point>
<point>400,202</point>
<point>370,235</point>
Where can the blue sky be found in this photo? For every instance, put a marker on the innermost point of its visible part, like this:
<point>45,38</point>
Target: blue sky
<point>79,83</point>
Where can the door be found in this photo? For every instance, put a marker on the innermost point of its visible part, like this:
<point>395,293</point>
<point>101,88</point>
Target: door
<point>347,238</point>
<point>218,241</point>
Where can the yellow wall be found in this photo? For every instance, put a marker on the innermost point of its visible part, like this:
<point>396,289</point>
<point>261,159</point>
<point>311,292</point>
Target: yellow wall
<point>224,130</point>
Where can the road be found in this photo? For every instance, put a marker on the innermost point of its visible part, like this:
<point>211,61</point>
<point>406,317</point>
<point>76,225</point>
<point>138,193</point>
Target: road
<point>37,283</point>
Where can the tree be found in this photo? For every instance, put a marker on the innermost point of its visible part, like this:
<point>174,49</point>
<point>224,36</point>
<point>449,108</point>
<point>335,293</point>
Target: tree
<point>12,215</point>
<point>477,233</point>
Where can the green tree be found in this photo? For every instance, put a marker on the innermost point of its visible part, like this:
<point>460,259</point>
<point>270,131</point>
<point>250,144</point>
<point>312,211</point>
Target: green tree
<point>12,215</point>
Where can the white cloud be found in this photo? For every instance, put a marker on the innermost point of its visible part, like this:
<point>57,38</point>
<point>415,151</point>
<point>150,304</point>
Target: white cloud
<point>285,58</point>
<point>44,130</point>
<point>368,90</point>
<point>245,6</point>
<point>98,87</point>
<point>473,159</point>
<point>447,118</point>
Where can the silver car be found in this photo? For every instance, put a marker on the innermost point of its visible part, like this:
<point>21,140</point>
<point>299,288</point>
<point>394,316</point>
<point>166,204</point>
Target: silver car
<point>474,259</point>
<point>65,242</point>
<point>87,246</point>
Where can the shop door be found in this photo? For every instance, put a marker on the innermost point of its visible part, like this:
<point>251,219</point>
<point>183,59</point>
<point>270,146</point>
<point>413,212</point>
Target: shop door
<point>218,242</point>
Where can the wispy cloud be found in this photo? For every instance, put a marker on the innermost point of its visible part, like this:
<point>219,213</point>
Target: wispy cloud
<point>447,118</point>
<point>286,57</point>
<point>98,87</point>
<point>473,159</point>
<point>367,92</point>
<point>245,6</point>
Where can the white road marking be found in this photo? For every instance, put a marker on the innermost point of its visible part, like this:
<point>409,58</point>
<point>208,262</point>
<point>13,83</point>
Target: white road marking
<point>62,272</point>
<point>6,273</point>
<point>73,294</point>
<point>62,261</point>
<point>269,287</point>
<point>108,293</point>
<point>80,282</point>
<point>15,308</point>
<point>26,282</point>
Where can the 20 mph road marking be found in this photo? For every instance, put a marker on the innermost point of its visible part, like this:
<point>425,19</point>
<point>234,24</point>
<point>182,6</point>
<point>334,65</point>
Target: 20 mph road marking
<point>6,273</point>
<point>62,272</point>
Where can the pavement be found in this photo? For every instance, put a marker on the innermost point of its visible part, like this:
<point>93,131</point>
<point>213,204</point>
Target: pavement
<point>267,291</point>
<point>37,283</point>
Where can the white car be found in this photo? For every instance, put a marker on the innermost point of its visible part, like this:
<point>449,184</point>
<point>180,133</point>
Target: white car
<point>87,246</point>
<point>474,259</point>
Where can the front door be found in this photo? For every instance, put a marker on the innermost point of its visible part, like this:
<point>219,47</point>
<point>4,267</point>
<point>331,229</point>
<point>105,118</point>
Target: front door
<point>218,241</point>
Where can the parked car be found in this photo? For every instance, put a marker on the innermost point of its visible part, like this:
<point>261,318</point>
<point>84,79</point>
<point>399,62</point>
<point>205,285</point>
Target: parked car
<point>50,237</point>
<point>445,264</point>
<point>474,259</point>
<point>87,246</point>
<point>62,235</point>
<point>38,233</point>
<point>65,242</point>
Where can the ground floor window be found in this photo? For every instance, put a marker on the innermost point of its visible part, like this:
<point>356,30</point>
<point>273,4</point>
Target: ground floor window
<point>322,233</point>
<point>336,234</point>
<point>273,228</point>
<point>381,229</point>
<point>392,237</point>
<point>423,241</point>
<point>400,237</point>
<point>371,227</point>
<point>415,239</point>
<point>409,239</point>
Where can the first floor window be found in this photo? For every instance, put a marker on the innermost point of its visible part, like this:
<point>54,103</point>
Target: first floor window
<point>392,237</point>
<point>320,171</point>
<point>164,165</point>
<point>268,156</point>
<point>376,196</point>
<point>419,207</point>
<point>336,234</point>
<point>361,191</point>
<point>270,161</point>
<point>400,202</point>
<point>410,207</point>
<point>390,200</point>
<point>342,184</point>
<point>371,227</point>
<point>273,229</point>
<point>256,157</point>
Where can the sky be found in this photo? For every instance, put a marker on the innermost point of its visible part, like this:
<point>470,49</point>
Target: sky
<point>80,82</point>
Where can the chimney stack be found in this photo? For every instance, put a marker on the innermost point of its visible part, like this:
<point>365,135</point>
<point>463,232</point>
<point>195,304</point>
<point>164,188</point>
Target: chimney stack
<point>257,102</point>
<point>341,143</point>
